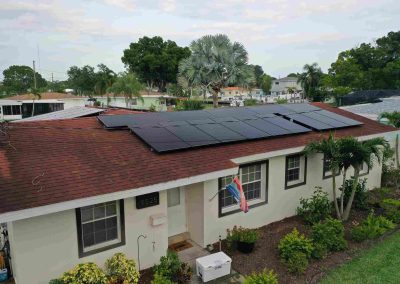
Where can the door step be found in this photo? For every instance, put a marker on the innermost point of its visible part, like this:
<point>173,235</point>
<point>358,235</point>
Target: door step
<point>178,238</point>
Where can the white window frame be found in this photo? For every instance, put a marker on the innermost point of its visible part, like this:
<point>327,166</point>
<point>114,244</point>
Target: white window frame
<point>107,243</point>
<point>263,188</point>
<point>302,171</point>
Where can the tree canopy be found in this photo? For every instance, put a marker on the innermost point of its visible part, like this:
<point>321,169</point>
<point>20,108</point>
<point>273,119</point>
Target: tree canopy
<point>370,65</point>
<point>216,62</point>
<point>19,79</point>
<point>310,81</point>
<point>82,80</point>
<point>127,85</point>
<point>154,60</point>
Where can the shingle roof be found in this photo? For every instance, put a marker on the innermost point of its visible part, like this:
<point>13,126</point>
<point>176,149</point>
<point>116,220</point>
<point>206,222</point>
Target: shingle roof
<point>78,158</point>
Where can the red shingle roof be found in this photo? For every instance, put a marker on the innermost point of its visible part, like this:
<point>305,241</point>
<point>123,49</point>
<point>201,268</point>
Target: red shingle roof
<point>79,158</point>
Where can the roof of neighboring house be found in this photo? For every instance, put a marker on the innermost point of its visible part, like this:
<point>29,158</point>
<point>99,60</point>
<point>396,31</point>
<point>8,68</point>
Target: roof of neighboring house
<point>45,96</point>
<point>286,79</point>
<point>233,89</point>
<point>117,111</point>
<point>9,102</point>
<point>63,160</point>
<point>373,110</point>
<point>73,112</point>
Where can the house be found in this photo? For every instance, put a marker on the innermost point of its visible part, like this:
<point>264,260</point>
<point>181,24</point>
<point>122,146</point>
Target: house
<point>80,190</point>
<point>233,93</point>
<point>48,102</point>
<point>281,86</point>
<point>10,110</point>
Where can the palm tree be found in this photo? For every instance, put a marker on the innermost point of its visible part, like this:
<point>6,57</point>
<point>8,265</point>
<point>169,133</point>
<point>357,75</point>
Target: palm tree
<point>127,85</point>
<point>36,95</point>
<point>216,62</point>
<point>358,153</point>
<point>394,120</point>
<point>329,147</point>
<point>105,78</point>
<point>310,79</point>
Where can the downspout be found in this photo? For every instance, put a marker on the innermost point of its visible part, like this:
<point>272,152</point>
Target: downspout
<point>138,252</point>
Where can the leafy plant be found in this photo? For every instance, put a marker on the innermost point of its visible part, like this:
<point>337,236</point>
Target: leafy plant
<point>250,102</point>
<point>189,105</point>
<point>240,234</point>
<point>330,234</point>
<point>315,208</point>
<point>264,277</point>
<point>160,279</point>
<point>372,227</point>
<point>392,209</point>
<point>361,196</point>
<point>84,273</point>
<point>56,281</point>
<point>295,250</point>
<point>320,251</point>
<point>121,270</point>
<point>172,268</point>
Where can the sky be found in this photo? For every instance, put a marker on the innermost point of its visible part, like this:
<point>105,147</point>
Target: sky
<point>279,35</point>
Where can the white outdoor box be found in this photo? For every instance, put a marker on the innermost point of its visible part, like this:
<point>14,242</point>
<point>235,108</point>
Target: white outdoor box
<point>158,219</point>
<point>213,266</point>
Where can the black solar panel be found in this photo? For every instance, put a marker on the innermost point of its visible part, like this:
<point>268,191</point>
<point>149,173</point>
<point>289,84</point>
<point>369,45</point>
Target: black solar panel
<point>168,131</point>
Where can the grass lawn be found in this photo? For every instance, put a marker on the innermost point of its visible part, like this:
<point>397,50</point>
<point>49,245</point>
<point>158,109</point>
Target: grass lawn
<point>379,264</point>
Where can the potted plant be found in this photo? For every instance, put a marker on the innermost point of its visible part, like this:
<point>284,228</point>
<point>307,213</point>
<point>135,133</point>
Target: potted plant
<point>242,238</point>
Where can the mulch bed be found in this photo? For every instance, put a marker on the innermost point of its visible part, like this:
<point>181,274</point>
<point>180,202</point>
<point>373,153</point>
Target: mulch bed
<point>266,254</point>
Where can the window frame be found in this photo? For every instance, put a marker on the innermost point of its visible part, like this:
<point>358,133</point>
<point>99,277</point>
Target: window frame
<point>107,245</point>
<point>254,202</point>
<point>300,183</point>
<point>327,174</point>
<point>364,172</point>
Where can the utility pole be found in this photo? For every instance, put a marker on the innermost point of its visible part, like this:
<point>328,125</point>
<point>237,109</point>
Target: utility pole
<point>34,75</point>
<point>52,77</point>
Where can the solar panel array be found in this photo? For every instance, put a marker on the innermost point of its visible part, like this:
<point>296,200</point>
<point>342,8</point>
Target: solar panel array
<point>168,131</point>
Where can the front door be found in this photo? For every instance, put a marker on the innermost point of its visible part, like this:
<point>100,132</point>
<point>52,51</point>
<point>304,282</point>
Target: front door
<point>176,211</point>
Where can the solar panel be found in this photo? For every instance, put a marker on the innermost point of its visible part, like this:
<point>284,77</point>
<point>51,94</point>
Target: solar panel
<point>305,120</point>
<point>168,131</point>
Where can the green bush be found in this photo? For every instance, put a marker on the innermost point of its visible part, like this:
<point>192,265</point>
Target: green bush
<point>264,277</point>
<point>84,273</point>
<point>295,250</point>
<point>298,263</point>
<point>189,105</point>
<point>376,196</point>
<point>361,196</point>
<point>172,268</point>
<point>56,281</point>
<point>251,102</point>
<point>320,251</point>
<point>315,208</point>
<point>240,234</point>
<point>392,209</point>
<point>330,234</point>
<point>121,270</point>
<point>372,227</point>
<point>159,279</point>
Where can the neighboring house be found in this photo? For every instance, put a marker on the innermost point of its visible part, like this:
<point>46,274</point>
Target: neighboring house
<point>73,112</point>
<point>48,102</point>
<point>232,93</point>
<point>74,191</point>
<point>281,86</point>
<point>160,101</point>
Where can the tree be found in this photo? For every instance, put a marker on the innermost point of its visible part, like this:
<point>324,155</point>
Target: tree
<point>266,83</point>
<point>216,62</point>
<point>154,60</point>
<point>258,75</point>
<point>128,86</point>
<point>105,77</point>
<point>82,80</point>
<point>36,95</point>
<point>394,120</point>
<point>330,148</point>
<point>19,79</point>
<point>358,154</point>
<point>310,80</point>
<point>58,86</point>
<point>293,75</point>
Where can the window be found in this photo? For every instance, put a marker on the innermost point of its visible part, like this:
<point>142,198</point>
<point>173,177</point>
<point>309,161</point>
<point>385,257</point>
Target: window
<point>296,170</point>
<point>254,182</point>
<point>7,110</point>
<point>100,227</point>
<point>16,110</point>
<point>364,170</point>
<point>327,173</point>
<point>173,197</point>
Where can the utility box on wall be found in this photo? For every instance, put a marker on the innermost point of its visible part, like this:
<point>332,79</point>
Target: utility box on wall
<point>158,219</point>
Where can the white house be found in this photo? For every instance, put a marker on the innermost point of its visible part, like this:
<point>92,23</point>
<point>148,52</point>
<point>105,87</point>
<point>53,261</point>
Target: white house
<point>81,190</point>
<point>282,85</point>
<point>10,110</point>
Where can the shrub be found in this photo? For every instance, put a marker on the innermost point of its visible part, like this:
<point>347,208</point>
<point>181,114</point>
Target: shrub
<point>84,273</point>
<point>240,234</point>
<point>315,208</point>
<point>56,281</point>
<point>320,251</point>
<point>372,227</point>
<point>376,196</point>
<point>122,270</point>
<point>392,209</point>
<point>189,105</point>
<point>159,279</point>
<point>295,250</point>
<point>251,102</point>
<point>330,234</point>
<point>264,277</point>
<point>172,268</point>
<point>361,196</point>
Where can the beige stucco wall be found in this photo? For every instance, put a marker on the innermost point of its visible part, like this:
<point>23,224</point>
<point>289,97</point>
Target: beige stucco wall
<point>46,246</point>
<point>194,210</point>
<point>281,203</point>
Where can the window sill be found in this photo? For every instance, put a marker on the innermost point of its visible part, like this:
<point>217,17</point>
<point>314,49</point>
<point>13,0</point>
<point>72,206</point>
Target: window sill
<point>295,185</point>
<point>255,204</point>
<point>101,249</point>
